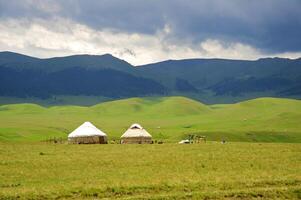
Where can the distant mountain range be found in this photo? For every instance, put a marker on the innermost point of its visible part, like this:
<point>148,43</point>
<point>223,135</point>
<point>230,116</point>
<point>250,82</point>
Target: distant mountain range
<point>209,80</point>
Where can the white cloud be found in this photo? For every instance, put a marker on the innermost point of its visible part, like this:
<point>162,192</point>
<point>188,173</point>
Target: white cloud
<point>215,48</point>
<point>60,37</point>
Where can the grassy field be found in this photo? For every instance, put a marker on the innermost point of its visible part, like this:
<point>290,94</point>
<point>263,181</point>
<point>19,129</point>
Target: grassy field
<point>167,171</point>
<point>261,159</point>
<point>169,119</point>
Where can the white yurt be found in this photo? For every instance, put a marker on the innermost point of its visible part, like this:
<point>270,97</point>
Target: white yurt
<point>87,133</point>
<point>136,134</point>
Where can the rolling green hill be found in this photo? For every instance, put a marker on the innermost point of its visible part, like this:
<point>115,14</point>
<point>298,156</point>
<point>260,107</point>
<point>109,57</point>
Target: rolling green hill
<point>166,118</point>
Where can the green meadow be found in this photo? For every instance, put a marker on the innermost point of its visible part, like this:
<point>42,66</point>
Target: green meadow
<point>159,171</point>
<point>169,119</point>
<point>260,160</point>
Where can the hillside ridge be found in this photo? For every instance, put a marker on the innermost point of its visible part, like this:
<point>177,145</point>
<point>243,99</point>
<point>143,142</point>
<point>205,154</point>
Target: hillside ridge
<point>158,100</point>
<point>166,118</point>
<point>208,80</point>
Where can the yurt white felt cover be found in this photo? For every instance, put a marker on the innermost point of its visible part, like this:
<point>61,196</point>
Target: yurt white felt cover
<point>87,133</point>
<point>136,134</point>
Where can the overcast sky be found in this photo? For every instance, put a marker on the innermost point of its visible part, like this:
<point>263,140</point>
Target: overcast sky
<point>141,31</point>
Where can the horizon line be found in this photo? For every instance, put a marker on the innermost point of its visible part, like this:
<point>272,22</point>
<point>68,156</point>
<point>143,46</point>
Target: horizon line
<point>180,59</point>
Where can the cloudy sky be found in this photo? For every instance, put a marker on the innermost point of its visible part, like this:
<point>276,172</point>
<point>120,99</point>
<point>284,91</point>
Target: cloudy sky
<point>141,31</point>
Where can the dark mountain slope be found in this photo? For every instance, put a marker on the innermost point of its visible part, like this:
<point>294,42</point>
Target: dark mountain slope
<point>106,61</point>
<point>293,91</point>
<point>13,59</point>
<point>238,86</point>
<point>105,75</point>
<point>206,72</point>
<point>227,76</point>
<point>75,81</point>
<point>104,82</point>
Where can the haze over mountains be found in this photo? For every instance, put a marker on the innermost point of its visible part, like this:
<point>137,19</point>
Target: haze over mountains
<point>209,80</point>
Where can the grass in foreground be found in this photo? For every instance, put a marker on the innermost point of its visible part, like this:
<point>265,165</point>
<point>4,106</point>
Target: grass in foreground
<point>168,171</point>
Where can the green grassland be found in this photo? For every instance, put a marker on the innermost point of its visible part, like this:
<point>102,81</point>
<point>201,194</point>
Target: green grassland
<point>159,171</point>
<point>260,160</point>
<point>167,118</point>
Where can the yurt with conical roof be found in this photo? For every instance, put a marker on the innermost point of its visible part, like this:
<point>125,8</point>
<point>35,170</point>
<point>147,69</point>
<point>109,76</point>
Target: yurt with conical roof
<point>87,133</point>
<point>136,134</point>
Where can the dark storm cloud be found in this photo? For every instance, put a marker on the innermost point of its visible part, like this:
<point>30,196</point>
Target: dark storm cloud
<point>270,25</point>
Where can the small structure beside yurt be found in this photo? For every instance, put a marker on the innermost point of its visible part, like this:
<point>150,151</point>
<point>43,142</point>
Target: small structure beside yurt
<point>136,134</point>
<point>87,133</point>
